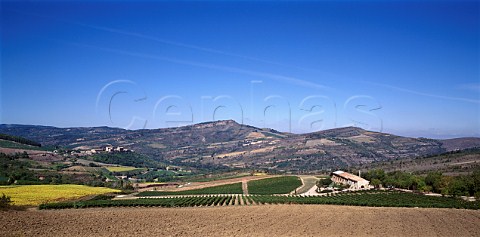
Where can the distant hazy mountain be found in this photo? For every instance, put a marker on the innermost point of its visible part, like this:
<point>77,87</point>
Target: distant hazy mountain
<point>231,144</point>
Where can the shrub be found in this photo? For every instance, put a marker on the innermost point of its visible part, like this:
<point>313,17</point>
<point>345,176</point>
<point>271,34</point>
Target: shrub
<point>5,201</point>
<point>324,182</point>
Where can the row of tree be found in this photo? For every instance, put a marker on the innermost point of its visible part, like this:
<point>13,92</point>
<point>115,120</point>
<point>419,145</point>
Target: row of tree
<point>462,185</point>
<point>19,140</point>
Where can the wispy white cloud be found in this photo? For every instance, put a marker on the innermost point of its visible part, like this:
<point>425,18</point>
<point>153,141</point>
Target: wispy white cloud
<point>189,46</point>
<point>424,94</point>
<point>277,77</point>
<point>168,42</point>
<point>272,76</point>
<point>470,86</point>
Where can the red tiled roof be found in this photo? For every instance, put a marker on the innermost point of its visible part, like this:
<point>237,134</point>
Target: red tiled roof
<point>348,176</point>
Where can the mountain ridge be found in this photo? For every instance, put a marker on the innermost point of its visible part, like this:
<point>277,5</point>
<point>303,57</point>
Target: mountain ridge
<point>6,126</point>
<point>228,143</point>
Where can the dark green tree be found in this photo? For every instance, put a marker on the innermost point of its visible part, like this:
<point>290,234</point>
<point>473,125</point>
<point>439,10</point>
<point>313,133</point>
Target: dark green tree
<point>434,179</point>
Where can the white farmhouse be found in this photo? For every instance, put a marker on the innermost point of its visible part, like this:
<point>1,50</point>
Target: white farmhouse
<point>355,182</point>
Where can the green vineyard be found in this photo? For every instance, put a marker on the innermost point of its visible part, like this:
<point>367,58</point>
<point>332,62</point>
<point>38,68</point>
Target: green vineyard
<point>235,188</point>
<point>373,199</point>
<point>149,202</point>
<point>368,198</point>
<point>277,185</point>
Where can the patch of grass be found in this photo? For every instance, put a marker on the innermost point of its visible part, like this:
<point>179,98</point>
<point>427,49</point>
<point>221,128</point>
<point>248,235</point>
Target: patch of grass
<point>33,195</point>
<point>235,188</point>
<point>277,185</point>
<point>269,134</point>
<point>309,182</point>
<point>122,168</point>
<point>157,145</point>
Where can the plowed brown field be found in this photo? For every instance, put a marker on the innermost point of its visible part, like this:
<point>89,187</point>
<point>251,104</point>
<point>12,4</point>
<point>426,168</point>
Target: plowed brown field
<point>269,220</point>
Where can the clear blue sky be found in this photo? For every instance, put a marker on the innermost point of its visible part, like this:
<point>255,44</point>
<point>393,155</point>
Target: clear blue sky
<point>409,68</point>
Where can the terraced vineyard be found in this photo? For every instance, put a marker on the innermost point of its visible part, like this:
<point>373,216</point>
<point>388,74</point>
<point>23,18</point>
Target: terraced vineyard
<point>235,188</point>
<point>367,198</point>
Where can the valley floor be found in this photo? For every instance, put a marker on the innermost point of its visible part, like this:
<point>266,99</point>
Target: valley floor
<point>267,220</point>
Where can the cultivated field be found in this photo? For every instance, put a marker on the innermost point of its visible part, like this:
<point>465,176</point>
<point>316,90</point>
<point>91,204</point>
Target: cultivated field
<point>269,220</point>
<point>34,195</point>
<point>235,188</point>
<point>276,185</point>
<point>212,183</point>
<point>366,198</point>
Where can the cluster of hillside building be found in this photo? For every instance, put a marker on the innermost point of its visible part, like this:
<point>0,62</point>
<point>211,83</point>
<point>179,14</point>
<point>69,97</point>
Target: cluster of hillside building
<point>108,149</point>
<point>118,149</point>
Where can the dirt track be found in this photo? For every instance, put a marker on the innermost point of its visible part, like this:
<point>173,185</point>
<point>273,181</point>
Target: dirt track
<point>274,220</point>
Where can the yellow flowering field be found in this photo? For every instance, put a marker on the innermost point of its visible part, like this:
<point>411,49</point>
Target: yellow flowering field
<point>34,195</point>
